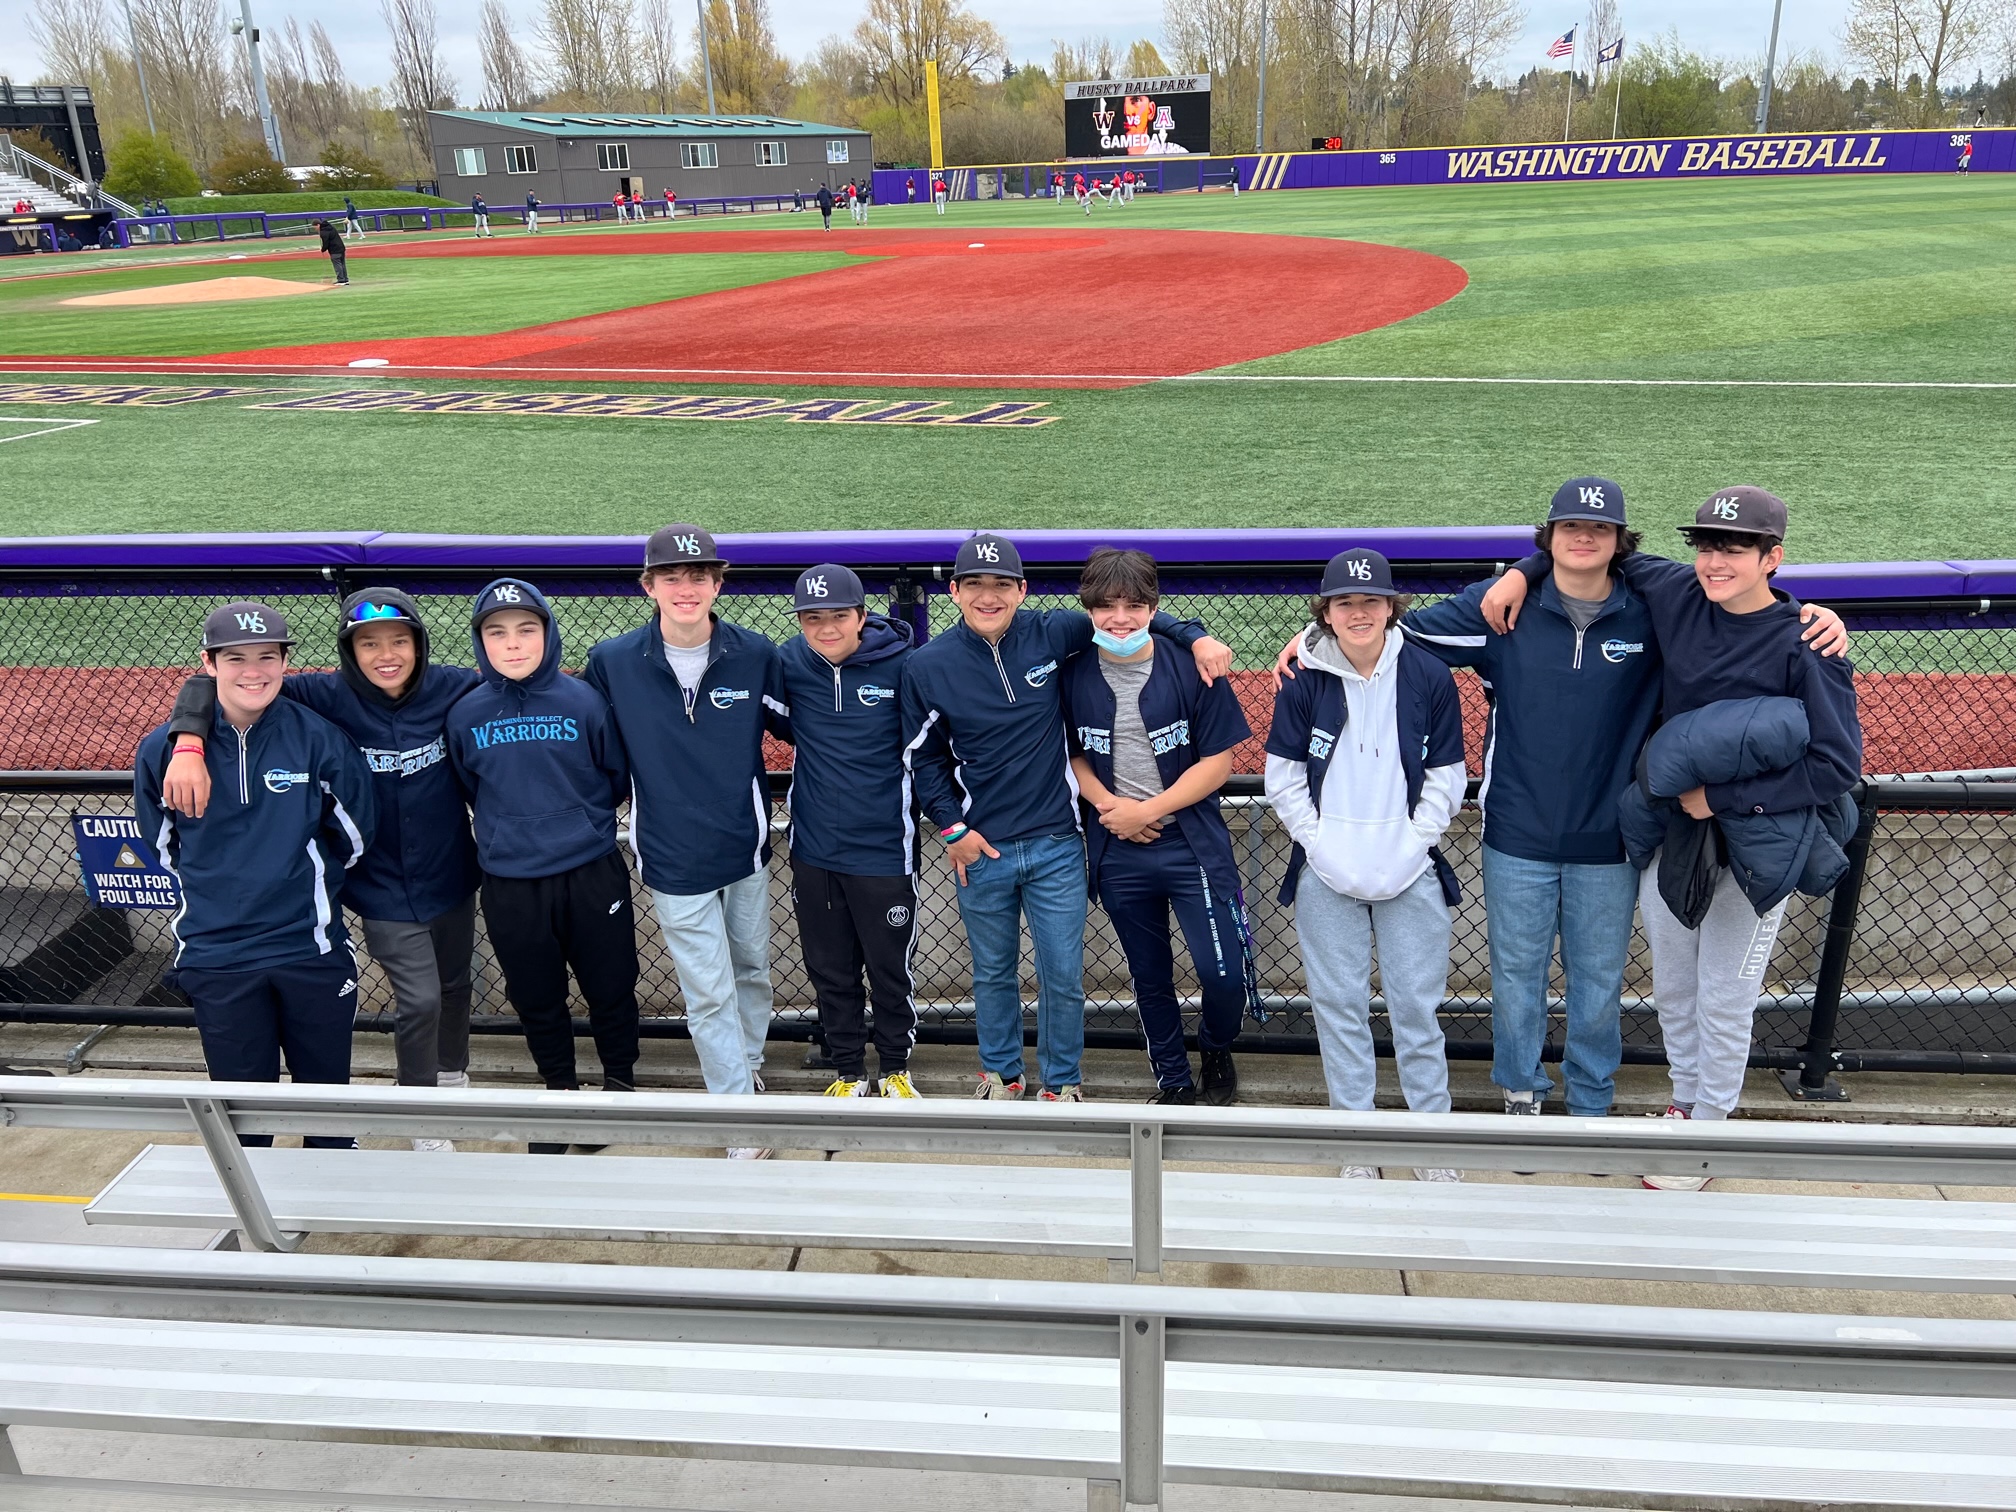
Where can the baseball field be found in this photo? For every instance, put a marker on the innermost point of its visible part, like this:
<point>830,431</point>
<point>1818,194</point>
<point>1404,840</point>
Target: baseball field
<point>1406,356</point>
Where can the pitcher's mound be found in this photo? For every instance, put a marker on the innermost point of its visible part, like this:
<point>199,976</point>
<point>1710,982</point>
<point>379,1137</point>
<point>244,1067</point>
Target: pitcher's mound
<point>204,291</point>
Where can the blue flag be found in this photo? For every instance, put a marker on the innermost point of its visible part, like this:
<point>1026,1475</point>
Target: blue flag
<point>1612,53</point>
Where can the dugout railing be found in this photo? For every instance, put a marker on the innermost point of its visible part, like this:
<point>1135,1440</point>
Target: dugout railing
<point>1909,966</point>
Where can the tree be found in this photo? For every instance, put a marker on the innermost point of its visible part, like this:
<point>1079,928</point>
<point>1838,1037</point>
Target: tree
<point>73,39</point>
<point>896,38</point>
<point>347,168</point>
<point>1092,59</point>
<point>1143,61</point>
<point>658,76</point>
<point>181,43</point>
<point>248,168</point>
<point>1897,38</point>
<point>141,166</point>
<point>420,79</point>
<point>507,73</point>
<point>749,73</point>
<point>588,47</point>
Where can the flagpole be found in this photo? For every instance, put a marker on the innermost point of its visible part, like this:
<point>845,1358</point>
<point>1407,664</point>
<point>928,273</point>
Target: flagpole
<point>1617,112</point>
<point>1568,113</point>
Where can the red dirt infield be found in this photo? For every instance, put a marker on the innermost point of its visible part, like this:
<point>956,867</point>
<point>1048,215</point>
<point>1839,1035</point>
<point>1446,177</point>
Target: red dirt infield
<point>1077,307</point>
<point>91,718</point>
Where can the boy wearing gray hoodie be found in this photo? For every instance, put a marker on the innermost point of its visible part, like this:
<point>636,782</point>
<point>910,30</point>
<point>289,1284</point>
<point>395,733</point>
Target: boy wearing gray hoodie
<point>1365,772</point>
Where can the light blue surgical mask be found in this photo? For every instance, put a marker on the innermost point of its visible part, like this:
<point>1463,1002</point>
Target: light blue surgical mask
<point>1118,645</point>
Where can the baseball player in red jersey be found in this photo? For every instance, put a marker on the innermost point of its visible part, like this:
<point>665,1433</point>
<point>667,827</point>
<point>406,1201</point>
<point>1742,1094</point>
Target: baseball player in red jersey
<point>1966,162</point>
<point>938,192</point>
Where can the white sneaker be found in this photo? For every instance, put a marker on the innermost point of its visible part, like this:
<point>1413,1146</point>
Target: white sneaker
<point>456,1079</point>
<point>434,1146</point>
<point>1674,1183</point>
<point>993,1089</point>
<point>747,1152</point>
<point>756,1078</point>
<point>1359,1173</point>
<point>1436,1173</point>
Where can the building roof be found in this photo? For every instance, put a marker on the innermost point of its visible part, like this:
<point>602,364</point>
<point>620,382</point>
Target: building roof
<point>608,123</point>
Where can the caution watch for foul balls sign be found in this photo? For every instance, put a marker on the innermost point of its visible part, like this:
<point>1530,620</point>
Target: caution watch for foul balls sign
<point>120,871</point>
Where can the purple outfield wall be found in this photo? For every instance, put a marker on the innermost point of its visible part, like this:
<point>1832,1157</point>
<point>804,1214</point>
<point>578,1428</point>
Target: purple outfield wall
<point>1558,162</point>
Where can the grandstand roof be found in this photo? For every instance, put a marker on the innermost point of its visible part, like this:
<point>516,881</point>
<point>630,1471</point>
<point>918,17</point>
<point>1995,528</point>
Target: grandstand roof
<point>558,123</point>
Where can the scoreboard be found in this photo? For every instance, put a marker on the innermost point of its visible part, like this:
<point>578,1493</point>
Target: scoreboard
<point>1138,117</point>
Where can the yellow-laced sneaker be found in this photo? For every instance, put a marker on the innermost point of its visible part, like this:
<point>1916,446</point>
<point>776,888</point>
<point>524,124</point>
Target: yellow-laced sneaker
<point>844,1088</point>
<point>897,1084</point>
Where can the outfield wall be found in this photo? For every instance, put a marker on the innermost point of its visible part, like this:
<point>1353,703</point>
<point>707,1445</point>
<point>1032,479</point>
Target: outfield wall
<point>1746,156</point>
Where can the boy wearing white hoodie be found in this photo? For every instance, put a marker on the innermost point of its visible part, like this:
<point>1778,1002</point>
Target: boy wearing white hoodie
<point>1365,772</point>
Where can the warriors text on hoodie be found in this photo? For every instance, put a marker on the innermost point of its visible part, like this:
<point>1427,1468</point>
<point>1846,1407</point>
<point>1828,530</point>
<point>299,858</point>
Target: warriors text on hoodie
<point>541,759</point>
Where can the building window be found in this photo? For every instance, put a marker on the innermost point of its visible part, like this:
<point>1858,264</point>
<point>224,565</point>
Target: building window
<point>698,155</point>
<point>520,160</point>
<point>469,162</point>
<point>612,157</point>
<point>769,154</point>
<point>836,152</point>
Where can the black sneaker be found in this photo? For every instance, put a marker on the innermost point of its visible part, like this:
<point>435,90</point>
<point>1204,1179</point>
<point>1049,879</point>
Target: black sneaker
<point>1181,1097</point>
<point>1221,1079</point>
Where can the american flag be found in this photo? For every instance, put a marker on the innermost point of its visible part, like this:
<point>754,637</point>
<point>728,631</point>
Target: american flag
<point>1564,45</point>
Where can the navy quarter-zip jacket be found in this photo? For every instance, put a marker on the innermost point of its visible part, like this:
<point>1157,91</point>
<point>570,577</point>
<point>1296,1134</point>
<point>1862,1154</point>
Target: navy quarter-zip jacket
<point>850,803</point>
<point>699,801</point>
<point>541,761</point>
<point>1186,722</point>
<point>291,808</point>
<point>1711,655</point>
<point>983,723</point>
<point>1570,711</point>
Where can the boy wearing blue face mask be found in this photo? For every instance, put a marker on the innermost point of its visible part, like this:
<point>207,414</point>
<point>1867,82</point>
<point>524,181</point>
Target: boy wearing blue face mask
<point>1151,745</point>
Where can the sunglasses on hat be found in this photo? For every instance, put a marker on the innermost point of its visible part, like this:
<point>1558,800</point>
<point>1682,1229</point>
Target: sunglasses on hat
<point>365,612</point>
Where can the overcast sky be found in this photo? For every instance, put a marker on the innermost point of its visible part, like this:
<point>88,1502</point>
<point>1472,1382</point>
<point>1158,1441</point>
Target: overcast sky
<point>1731,28</point>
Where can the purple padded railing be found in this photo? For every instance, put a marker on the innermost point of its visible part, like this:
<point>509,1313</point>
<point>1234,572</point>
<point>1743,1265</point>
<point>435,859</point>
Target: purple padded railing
<point>928,552</point>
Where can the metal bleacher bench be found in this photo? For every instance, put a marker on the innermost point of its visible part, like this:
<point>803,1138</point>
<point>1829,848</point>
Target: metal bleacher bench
<point>1129,1386</point>
<point>1138,1218</point>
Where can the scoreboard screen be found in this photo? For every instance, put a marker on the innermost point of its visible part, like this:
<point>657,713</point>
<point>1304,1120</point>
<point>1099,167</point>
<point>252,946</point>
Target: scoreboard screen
<point>1138,117</point>
<point>1326,144</point>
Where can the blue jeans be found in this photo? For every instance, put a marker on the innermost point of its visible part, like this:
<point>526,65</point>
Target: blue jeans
<point>1527,904</point>
<point>720,946</point>
<point>1042,880</point>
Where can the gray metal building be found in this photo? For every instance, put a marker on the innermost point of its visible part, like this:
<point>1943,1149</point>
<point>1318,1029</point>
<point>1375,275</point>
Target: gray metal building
<point>584,157</point>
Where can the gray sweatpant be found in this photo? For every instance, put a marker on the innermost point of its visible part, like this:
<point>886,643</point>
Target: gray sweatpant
<point>1336,935</point>
<point>429,967</point>
<point>1705,984</point>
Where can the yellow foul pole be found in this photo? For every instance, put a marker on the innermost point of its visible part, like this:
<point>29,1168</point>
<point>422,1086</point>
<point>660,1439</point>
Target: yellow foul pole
<point>931,103</point>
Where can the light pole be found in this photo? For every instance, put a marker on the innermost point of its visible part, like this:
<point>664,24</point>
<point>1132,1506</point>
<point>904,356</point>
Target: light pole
<point>268,123</point>
<point>706,51</point>
<point>140,66</point>
<point>1260,104</point>
<point>1770,62</point>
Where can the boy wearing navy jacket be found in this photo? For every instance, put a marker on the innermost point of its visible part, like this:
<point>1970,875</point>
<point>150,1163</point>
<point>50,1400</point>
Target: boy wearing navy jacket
<point>1726,635</point>
<point>415,890</point>
<point>983,732</point>
<point>260,948</point>
<point>544,769</point>
<point>692,696</point>
<point>853,829</point>
<point>1151,746</point>
<point>1365,772</point>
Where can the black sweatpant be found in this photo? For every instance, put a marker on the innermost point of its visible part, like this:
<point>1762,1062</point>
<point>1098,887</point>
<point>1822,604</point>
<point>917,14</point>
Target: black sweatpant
<point>306,1010</point>
<point>849,925</point>
<point>539,927</point>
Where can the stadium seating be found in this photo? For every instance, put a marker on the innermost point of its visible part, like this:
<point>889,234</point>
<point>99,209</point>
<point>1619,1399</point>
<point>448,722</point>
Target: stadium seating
<point>1128,1387</point>
<point>1138,1219</point>
<point>14,188</point>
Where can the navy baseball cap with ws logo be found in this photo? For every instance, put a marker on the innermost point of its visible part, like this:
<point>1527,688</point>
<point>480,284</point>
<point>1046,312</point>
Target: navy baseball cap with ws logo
<point>1361,570</point>
<point>245,624</point>
<point>828,586</point>
<point>987,555</point>
<point>1587,499</point>
<point>1740,511</point>
<point>681,546</point>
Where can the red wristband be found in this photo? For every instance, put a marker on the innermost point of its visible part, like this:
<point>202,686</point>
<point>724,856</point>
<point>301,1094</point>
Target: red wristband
<point>188,750</point>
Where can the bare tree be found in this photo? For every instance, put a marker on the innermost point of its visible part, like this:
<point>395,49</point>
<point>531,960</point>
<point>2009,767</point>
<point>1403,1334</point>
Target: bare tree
<point>897,37</point>
<point>420,79</point>
<point>657,69</point>
<point>74,39</point>
<point>1082,62</point>
<point>507,73</point>
<point>590,48</point>
<point>1929,38</point>
<point>182,44</point>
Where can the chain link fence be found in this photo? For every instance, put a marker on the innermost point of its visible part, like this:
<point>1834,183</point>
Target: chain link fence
<point>1923,978</point>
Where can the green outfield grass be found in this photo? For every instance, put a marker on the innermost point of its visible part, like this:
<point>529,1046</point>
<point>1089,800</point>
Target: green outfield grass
<point>1807,281</point>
